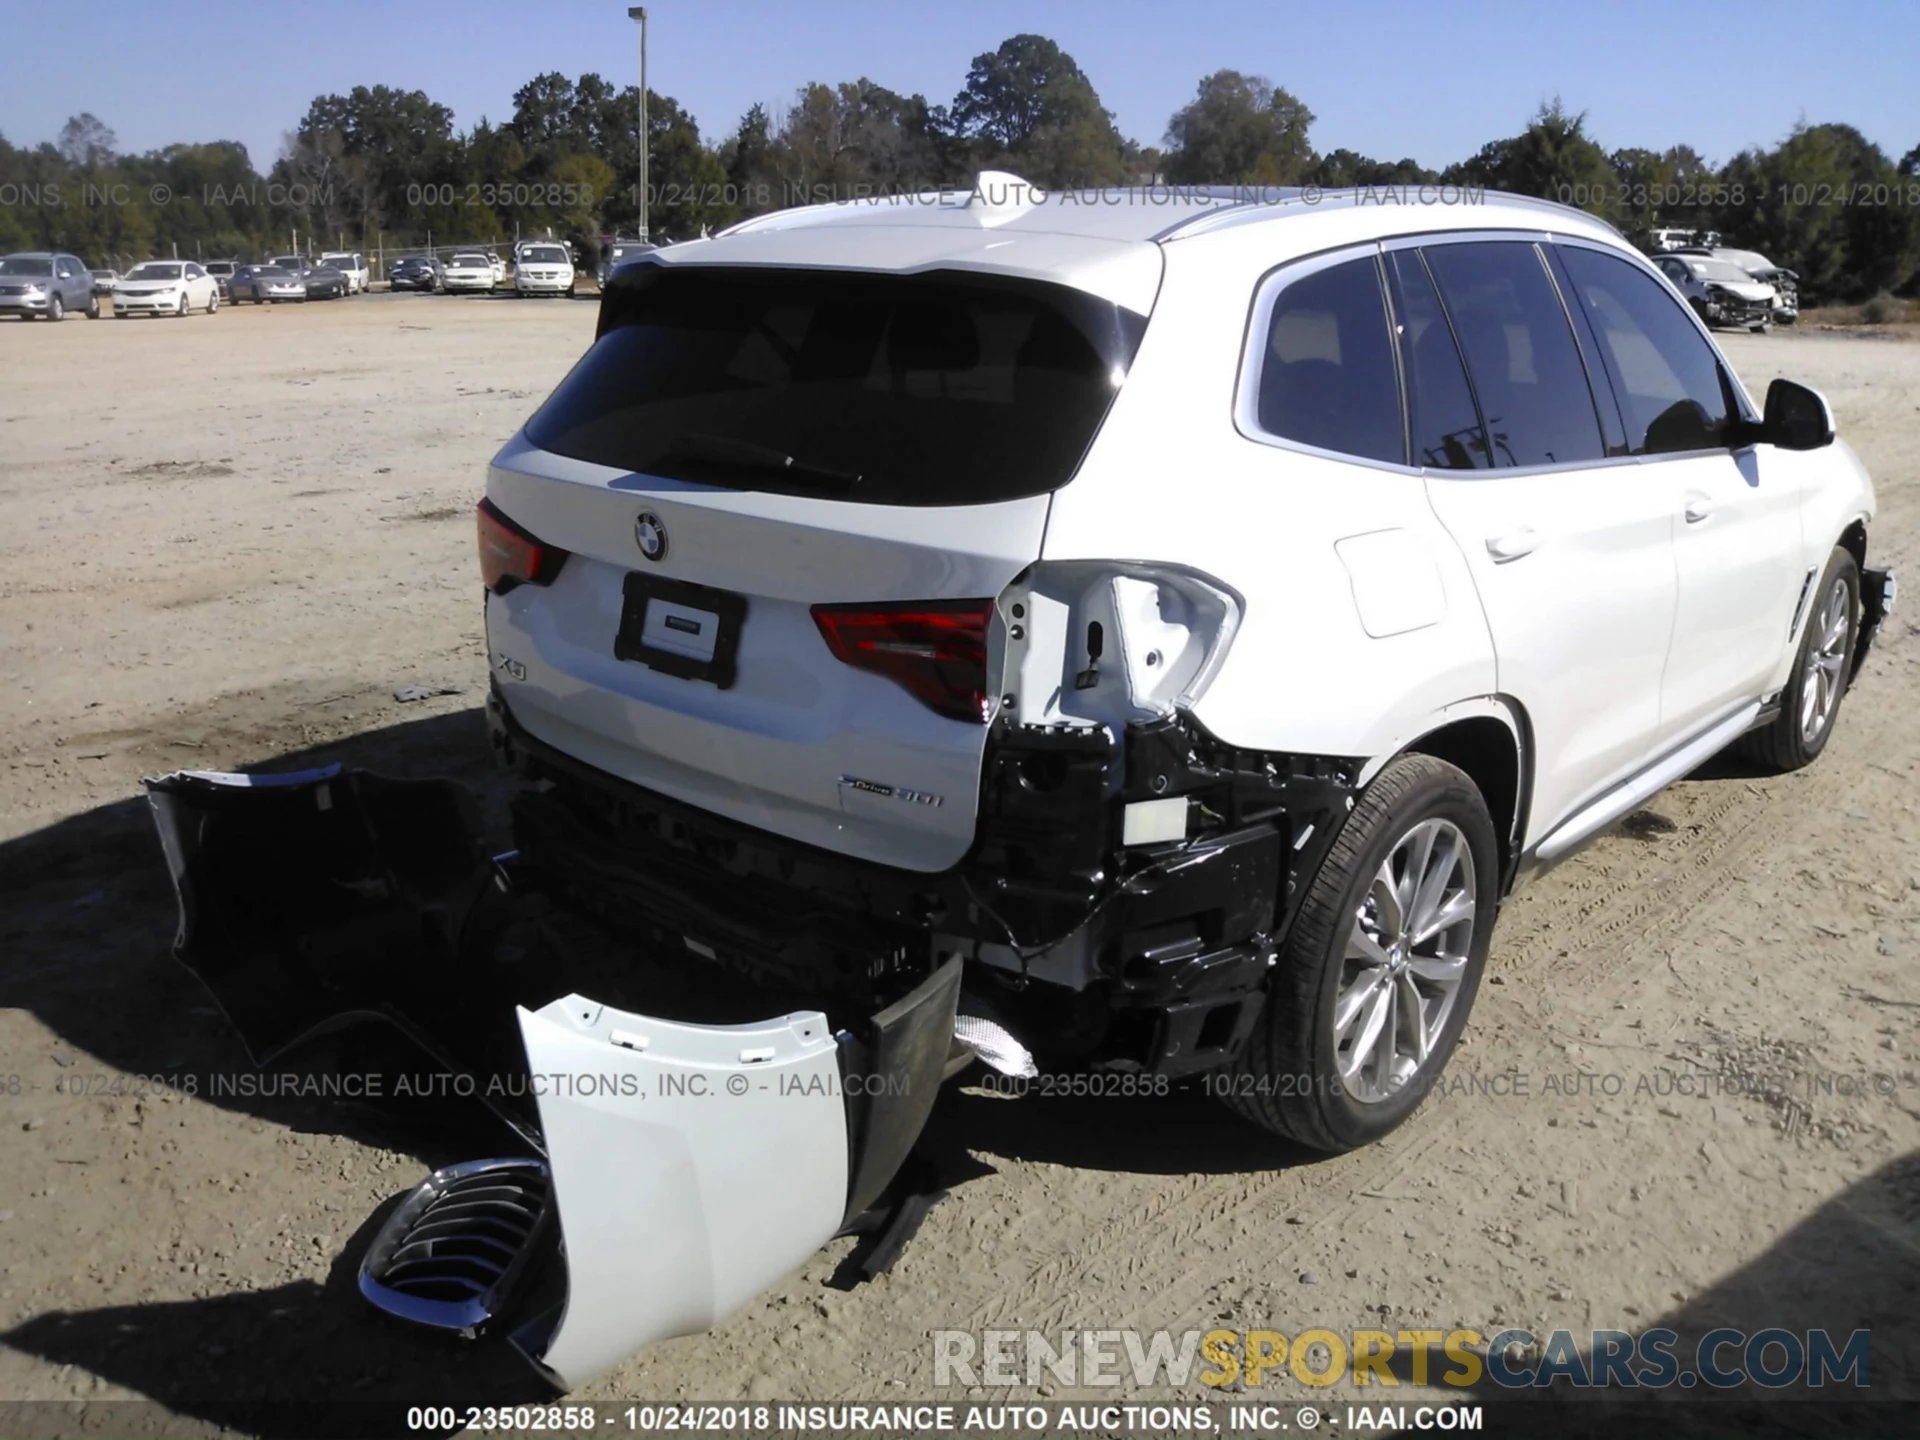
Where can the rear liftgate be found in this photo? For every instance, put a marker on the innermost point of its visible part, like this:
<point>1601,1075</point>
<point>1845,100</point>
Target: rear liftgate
<point>680,1168</point>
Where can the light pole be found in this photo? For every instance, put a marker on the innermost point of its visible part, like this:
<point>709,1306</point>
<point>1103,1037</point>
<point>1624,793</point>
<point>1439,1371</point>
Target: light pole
<point>639,12</point>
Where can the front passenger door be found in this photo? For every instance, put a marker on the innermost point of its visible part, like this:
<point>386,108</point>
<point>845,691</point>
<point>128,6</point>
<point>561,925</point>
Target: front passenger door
<point>1737,543</point>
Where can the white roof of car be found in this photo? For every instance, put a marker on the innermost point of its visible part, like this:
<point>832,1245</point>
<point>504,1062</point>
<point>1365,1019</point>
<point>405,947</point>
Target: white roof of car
<point>1106,242</point>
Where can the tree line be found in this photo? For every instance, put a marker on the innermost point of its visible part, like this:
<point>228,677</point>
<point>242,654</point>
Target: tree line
<point>386,166</point>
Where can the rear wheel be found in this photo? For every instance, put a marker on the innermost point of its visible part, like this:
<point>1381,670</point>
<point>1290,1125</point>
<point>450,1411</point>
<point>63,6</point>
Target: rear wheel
<point>1381,966</point>
<point>1821,668</point>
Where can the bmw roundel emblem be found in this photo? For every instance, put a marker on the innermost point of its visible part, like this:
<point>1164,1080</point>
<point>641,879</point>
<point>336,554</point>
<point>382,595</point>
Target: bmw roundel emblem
<point>650,535</point>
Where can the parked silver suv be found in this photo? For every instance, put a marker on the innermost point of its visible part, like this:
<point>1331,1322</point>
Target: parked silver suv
<point>46,282</point>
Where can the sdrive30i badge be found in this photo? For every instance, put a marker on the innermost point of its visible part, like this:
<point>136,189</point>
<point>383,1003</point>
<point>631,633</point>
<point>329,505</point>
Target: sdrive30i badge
<point>890,792</point>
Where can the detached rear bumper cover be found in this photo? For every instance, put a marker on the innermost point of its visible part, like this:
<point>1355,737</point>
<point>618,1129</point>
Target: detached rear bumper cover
<point>693,1166</point>
<point>688,1166</point>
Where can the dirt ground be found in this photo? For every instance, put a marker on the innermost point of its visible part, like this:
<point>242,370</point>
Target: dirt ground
<point>225,541</point>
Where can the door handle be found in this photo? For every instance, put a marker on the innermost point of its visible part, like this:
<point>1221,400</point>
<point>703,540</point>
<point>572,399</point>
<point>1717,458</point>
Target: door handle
<point>1699,507</point>
<point>1512,545</point>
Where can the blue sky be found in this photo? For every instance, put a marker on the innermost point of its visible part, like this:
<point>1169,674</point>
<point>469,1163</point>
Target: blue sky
<point>1434,81</point>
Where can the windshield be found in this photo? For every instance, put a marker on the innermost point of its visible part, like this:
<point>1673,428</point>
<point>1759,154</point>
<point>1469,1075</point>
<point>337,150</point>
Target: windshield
<point>342,262</point>
<point>545,255</point>
<point>936,389</point>
<point>25,265</point>
<point>286,262</point>
<point>154,271</point>
<point>480,262</point>
<point>1721,270</point>
<point>1748,260</point>
<point>220,267</point>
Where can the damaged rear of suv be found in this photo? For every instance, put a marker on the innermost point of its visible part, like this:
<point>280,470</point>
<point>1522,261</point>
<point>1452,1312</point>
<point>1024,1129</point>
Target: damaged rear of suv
<point>1076,632</point>
<point>808,695</point>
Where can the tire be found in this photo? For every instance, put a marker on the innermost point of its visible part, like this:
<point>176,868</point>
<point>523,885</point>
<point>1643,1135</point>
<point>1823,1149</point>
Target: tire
<point>56,307</point>
<point>182,311</point>
<point>213,303</point>
<point>93,307</point>
<point>1762,328</point>
<point>1822,665</point>
<point>1288,1080</point>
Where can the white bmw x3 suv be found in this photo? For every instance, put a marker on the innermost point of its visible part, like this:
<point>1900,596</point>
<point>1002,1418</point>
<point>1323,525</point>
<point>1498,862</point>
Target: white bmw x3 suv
<point>1195,612</point>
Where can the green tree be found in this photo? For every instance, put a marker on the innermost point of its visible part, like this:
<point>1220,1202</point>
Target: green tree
<point>1814,204</point>
<point>688,178</point>
<point>1671,187</point>
<point>1239,130</point>
<point>1553,158</point>
<point>852,139</point>
<point>1347,169</point>
<point>86,141</point>
<point>1028,106</point>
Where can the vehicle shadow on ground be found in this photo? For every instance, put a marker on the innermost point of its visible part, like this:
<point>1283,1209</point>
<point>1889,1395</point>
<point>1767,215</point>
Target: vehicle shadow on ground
<point>1853,1264</point>
<point>1182,1132</point>
<point>224,1359</point>
<point>87,921</point>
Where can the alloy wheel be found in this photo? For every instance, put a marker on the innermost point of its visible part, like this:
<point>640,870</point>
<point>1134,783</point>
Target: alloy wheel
<point>1406,954</point>
<point>1823,679</point>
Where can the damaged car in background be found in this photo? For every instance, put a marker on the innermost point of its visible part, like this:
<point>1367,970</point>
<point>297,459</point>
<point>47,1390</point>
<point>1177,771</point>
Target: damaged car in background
<point>1065,635</point>
<point>1720,292</point>
<point>1785,282</point>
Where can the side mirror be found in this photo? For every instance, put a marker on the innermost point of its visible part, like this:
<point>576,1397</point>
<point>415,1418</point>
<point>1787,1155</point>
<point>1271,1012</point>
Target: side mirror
<point>1797,418</point>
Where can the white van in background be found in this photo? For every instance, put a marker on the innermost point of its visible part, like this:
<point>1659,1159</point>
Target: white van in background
<point>353,265</point>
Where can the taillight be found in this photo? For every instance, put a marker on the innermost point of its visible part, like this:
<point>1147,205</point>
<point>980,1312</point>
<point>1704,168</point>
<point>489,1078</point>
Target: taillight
<point>935,649</point>
<point>511,556</point>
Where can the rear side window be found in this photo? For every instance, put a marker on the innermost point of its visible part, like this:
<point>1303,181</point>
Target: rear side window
<point>1665,373</point>
<point>942,388</point>
<point>1520,352</point>
<point>1442,423</point>
<point>1326,373</point>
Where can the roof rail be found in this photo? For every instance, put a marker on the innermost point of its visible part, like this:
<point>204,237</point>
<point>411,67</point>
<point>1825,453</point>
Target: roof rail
<point>1541,202</point>
<point>1275,197</point>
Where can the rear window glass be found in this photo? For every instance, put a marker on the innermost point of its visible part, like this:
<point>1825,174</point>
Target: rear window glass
<point>937,389</point>
<point>1327,378</point>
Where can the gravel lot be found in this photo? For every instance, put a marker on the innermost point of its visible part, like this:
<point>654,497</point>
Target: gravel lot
<point>226,540</point>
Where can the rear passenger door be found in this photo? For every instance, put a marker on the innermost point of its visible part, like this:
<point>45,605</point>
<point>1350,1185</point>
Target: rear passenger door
<point>1737,544</point>
<point>1569,540</point>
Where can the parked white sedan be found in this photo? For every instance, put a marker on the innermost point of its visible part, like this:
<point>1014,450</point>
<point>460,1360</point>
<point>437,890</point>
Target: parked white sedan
<point>472,270</point>
<point>165,287</point>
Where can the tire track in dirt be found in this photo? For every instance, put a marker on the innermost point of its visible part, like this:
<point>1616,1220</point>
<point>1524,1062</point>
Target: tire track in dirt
<point>1071,1291</point>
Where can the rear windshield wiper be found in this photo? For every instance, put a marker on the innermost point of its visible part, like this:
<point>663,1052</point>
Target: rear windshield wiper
<point>745,455</point>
